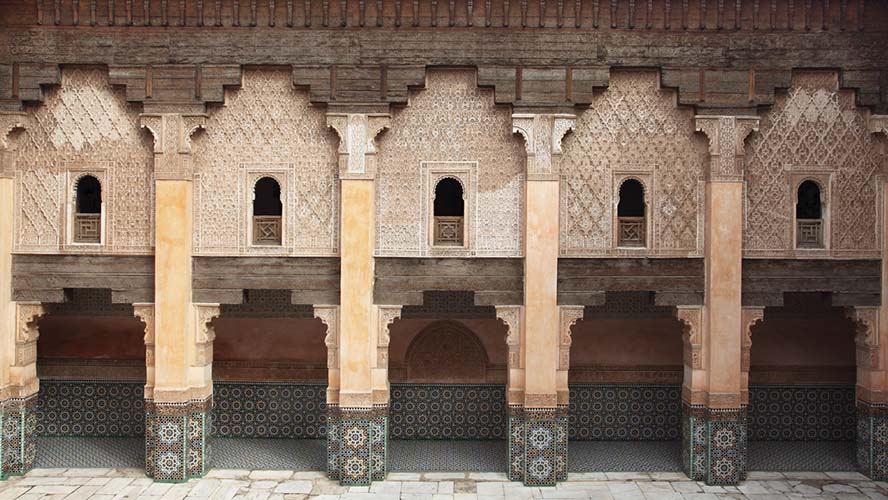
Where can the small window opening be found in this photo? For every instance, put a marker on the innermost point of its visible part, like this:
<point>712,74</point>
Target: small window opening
<point>88,211</point>
<point>267,211</point>
<point>809,216</point>
<point>631,215</point>
<point>449,213</point>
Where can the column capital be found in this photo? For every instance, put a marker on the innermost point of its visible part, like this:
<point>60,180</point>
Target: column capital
<point>543,133</point>
<point>357,141</point>
<point>172,134</point>
<point>726,135</point>
<point>10,121</point>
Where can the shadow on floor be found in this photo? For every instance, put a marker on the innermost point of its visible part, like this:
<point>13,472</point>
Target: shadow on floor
<point>268,454</point>
<point>90,452</point>
<point>797,456</point>
<point>624,456</point>
<point>447,456</point>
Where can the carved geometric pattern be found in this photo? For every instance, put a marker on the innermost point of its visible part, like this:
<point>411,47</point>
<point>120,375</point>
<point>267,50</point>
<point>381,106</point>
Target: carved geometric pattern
<point>83,122</point>
<point>451,120</point>
<point>446,350</point>
<point>633,125</point>
<point>813,126</point>
<point>266,125</point>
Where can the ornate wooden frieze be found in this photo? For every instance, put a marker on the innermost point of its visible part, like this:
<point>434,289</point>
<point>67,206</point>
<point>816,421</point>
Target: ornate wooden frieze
<point>633,126</point>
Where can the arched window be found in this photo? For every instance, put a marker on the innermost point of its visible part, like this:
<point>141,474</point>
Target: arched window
<point>88,210</point>
<point>631,214</point>
<point>809,216</point>
<point>267,212</point>
<point>449,212</point>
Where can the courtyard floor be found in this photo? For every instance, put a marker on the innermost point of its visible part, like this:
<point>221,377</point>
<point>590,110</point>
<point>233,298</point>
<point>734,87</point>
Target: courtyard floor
<point>234,484</point>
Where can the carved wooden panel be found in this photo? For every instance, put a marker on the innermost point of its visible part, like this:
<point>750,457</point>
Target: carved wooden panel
<point>446,351</point>
<point>82,123</point>
<point>450,120</point>
<point>633,126</point>
<point>813,127</point>
<point>266,128</point>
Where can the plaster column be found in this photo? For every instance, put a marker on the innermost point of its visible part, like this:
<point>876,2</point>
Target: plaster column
<point>18,328</point>
<point>872,348</point>
<point>177,421</point>
<point>361,411</point>
<point>716,426</point>
<point>543,417</point>
<point>329,315</point>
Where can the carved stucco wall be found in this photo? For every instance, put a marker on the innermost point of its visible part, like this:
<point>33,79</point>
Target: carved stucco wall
<point>84,126</point>
<point>633,129</point>
<point>450,125</point>
<point>813,131</point>
<point>266,128</point>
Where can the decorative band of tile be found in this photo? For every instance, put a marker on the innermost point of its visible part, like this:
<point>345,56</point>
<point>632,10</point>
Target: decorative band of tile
<point>18,443</point>
<point>176,439</point>
<point>714,444</point>
<point>537,445</point>
<point>357,444</point>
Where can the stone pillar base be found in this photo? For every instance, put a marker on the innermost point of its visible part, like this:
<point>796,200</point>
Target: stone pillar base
<point>18,444</point>
<point>872,440</point>
<point>357,441</point>
<point>537,445</point>
<point>714,444</point>
<point>176,439</point>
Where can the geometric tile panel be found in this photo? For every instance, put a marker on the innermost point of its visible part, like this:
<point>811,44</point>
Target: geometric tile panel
<point>625,412</point>
<point>360,456</point>
<point>176,440</point>
<point>448,411</point>
<point>714,444</point>
<point>101,408</point>
<point>802,413</point>
<point>540,447</point>
<point>18,439</point>
<point>269,410</point>
<point>872,440</point>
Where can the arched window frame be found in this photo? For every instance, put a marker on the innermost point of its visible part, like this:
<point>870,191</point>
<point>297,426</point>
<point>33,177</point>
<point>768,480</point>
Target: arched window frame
<point>439,220</point>
<point>252,223</point>
<point>645,180</point>
<point>466,172</point>
<point>823,182</point>
<point>73,218</point>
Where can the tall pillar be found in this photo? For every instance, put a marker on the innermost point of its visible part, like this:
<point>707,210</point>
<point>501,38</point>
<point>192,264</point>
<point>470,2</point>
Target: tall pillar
<point>18,329</point>
<point>716,423</point>
<point>872,349</point>
<point>362,412</point>
<point>539,427</point>
<point>178,415</point>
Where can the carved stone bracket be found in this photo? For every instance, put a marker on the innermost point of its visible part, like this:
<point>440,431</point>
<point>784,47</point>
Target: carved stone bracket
<point>726,136</point>
<point>8,123</point>
<point>691,318</point>
<point>568,316</point>
<point>23,379</point>
<point>386,315</point>
<point>542,135</point>
<point>511,316</point>
<point>145,313</point>
<point>866,320</point>
<point>357,141</point>
<point>749,317</point>
<point>172,142</point>
<point>329,315</point>
<point>204,332</point>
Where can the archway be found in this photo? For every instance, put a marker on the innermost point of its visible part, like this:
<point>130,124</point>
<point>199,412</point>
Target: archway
<point>801,413</point>
<point>625,380</point>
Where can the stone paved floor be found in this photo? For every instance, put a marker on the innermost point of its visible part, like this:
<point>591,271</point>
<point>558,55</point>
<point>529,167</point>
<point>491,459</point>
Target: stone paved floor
<point>231,484</point>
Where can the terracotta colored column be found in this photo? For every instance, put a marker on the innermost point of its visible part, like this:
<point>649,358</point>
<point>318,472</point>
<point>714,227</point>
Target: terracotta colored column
<point>538,454</point>
<point>872,349</point>
<point>177,421</point>
<point>357,438</point>
<point>715,428</point>
<point>18,329</point>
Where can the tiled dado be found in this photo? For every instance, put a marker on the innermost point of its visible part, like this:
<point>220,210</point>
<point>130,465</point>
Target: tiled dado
<point>176,439</point>
<point>448,411</point>
<point>538,445</point>
<point>18,446</point>
<point>872,440</point>
<point>269,410</point>
<point>802,413</point>
<point>91,408</point>
<point>357,441</point>
<point>714,444</point>
<point>600,412</point>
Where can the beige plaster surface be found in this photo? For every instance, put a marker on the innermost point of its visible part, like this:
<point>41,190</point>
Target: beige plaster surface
<point>723,257</point>
<point>7,307</point>
<point>357,331</point>
<point>540,289</point>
